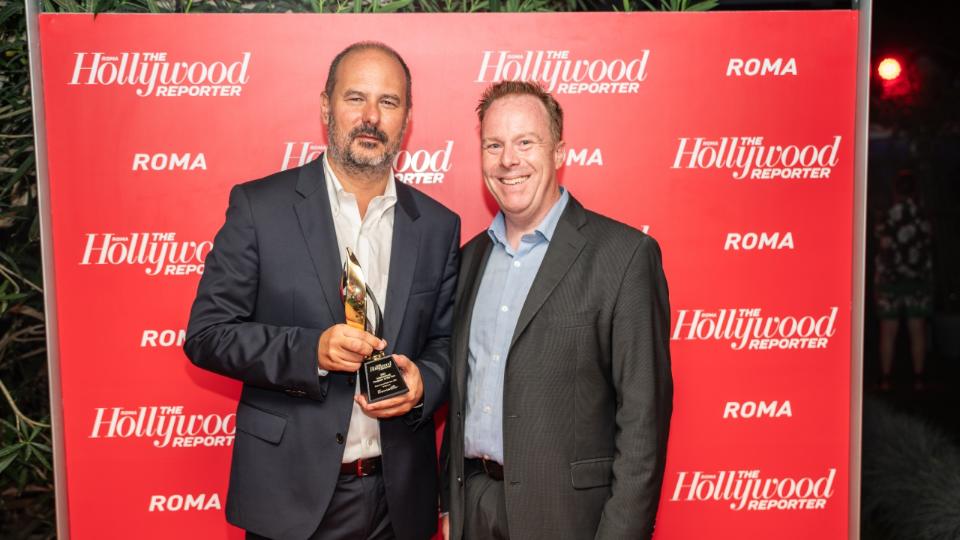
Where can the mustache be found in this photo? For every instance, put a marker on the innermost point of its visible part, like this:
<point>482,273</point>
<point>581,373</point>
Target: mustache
<point>368,130</point>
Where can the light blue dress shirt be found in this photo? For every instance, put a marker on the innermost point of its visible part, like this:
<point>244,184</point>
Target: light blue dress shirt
<point>503,290</point>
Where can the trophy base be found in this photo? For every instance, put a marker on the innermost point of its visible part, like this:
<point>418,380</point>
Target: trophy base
<point>380,379</point>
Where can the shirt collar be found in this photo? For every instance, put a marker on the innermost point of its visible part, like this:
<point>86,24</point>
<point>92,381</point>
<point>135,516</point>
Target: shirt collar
<point>546,228</point>
<point>335,191</point>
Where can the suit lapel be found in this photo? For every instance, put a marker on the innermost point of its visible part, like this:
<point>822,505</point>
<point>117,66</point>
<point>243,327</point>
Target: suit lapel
<point>471,271</point>
<point>564,248</point>
<point>316,224</point>
<point>403,262</point>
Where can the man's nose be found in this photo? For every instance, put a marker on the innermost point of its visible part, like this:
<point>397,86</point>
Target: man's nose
<point>371,113</point>
<point>509,157</point>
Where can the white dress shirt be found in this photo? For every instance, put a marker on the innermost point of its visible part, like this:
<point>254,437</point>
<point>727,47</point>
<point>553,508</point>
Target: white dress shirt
<point>371,239</point>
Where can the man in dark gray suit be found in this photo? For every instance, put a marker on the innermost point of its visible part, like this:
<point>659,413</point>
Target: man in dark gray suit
<point>312,459</point>
<point>562,392</point>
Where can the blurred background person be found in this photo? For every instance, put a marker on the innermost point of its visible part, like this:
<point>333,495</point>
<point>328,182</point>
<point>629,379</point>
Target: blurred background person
<point>903,276</point>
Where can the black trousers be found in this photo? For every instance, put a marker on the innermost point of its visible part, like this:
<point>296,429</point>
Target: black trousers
<point>485,507</point>
<point>357,511</point>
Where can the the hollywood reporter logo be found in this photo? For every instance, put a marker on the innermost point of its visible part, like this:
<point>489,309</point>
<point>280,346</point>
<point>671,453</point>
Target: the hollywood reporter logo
<point>159,252</point>
<point>419,166</point>
<point>750,490</point>
<point>561,72</point>
<point>153,74</point>
<point>165,426</point>
<point>755,158</point>
<point>752,330</point>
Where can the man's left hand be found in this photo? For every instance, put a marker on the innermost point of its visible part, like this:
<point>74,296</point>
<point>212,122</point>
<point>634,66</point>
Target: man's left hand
<point>399,405</point>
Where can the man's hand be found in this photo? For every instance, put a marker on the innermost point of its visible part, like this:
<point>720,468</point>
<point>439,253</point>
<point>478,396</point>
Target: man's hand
<point>343,347</point>
<point>399,405</point>
<point>445,525</point>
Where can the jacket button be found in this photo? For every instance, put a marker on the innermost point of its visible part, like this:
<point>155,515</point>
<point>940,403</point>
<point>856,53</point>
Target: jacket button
<point>351,381</point>
<point>339,438</point>
<point>458,414</point>
<point>460,480</point>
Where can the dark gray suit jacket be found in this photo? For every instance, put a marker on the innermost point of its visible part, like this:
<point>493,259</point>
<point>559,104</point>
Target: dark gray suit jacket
<point>269,289</point>
<point>588,391</point>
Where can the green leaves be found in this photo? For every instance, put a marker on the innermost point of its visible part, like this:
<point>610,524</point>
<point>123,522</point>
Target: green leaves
<point>391,7</point>
<point>356,6</point>
<point>26,455</point>
<point>678,5</point>
<point>26,505</point>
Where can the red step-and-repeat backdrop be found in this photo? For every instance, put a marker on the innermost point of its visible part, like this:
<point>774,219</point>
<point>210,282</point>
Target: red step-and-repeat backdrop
<point>727,136</point>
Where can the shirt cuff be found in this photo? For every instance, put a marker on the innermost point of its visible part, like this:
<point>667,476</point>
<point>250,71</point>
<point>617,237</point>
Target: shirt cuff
<point>415,414</point>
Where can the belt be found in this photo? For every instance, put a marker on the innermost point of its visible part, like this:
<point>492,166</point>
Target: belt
<point>361,467</point>
<point>490,468</point>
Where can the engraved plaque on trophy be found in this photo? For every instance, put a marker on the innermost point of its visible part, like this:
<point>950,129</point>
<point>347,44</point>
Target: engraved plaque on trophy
<point>379,375</point>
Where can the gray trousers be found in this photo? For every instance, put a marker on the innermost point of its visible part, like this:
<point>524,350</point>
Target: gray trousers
<point>357,511</point>
<point>485,508</point>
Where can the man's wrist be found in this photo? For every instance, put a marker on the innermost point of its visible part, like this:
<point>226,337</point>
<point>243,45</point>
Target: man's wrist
<point>416,413</point>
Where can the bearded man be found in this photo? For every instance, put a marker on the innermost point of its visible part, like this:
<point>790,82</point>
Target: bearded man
<point>312,458</point>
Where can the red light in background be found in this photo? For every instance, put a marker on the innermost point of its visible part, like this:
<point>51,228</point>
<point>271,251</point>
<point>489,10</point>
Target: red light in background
<point>889,69</point>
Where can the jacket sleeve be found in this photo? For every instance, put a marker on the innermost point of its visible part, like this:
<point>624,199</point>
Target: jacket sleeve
<point>434,360</point>
<point>222,336</point>
<point>644,387</point>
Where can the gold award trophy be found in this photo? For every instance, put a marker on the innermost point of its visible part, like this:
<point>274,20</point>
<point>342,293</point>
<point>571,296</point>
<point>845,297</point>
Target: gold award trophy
<point>380,376</point>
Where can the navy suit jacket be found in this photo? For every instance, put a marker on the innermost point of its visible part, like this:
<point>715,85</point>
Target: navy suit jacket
<point>269,289</point>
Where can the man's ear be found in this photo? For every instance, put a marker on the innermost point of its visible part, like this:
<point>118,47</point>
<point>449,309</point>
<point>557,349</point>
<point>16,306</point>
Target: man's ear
<point>559,153</point>
<point>324,108</point>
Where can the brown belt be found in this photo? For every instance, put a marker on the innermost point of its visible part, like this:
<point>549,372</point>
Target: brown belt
<point>490,468</point>
<point>361,467</point>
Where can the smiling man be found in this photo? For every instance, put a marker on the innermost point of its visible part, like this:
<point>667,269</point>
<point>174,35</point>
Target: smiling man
<point>561,390</point>
<point>312,459</point>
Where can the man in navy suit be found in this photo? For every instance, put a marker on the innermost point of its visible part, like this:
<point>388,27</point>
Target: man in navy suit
<point>312,459</point>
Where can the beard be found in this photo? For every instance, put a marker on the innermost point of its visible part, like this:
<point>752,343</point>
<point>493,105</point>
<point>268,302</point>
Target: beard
<point>341,148</point>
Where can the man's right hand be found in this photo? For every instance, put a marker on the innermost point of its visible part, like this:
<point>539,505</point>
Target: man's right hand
<point>343,347</point>
<point>446,526</point>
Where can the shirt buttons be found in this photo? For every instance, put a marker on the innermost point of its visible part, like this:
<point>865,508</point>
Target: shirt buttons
<point>516,264</point>
<point>496,358</point>
<point>486,409</point>
<point>504,309</point>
